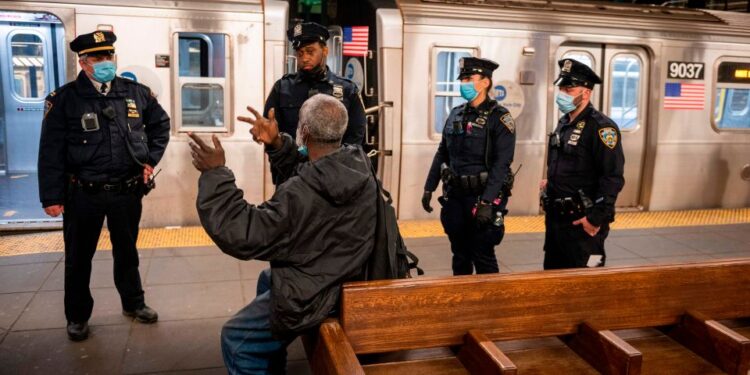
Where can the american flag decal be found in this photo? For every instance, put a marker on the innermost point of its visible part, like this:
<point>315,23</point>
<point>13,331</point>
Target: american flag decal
<point>684,96</point>
<point>355,40</point>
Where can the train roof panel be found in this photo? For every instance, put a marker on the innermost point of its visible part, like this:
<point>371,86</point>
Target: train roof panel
<point>611,16</point>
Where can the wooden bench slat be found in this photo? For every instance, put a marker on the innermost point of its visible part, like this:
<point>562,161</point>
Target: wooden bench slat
<point>439,366</point>
<point>605,351</point>
<point>407,314</point>
<point>480,356</point>
<point>662,355</point>
<point>715,342</point>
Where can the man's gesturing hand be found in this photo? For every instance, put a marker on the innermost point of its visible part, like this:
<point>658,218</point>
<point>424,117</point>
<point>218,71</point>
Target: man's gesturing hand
<point>264,130</point>
<point>204,156</point>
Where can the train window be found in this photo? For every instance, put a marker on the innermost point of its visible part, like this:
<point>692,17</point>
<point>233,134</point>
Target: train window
<point>446,89</point>
<point>202,67</point>
<point>732,101</point>
<point>624,91</point>
<point>582,57</point>
<point>27,51</point>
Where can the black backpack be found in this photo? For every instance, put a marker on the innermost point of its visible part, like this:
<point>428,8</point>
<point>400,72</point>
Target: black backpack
<point>389,259</point>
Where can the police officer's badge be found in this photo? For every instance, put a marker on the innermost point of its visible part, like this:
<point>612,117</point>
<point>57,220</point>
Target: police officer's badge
<point>297,29</point>
<point>580,125</point>
<point>567,65</point>
<point>608,137</point>
<point>99,37</point>
<point>338,92</point>
<point>507,120</point>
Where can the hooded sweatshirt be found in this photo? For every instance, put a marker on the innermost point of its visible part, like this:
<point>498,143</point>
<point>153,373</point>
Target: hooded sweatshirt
<point>316,231</point>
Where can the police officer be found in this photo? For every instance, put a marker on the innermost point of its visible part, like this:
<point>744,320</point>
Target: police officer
<point>585,166</point>
<point>101,137</point>
<point>473,160</point>
<point>313,76</point>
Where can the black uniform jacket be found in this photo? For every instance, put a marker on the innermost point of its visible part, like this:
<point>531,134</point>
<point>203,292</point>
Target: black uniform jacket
<point>317,230</point>
<point>292,90</point>
<point>465,146</point>
<point>98,155</point>
<point>589,157</point>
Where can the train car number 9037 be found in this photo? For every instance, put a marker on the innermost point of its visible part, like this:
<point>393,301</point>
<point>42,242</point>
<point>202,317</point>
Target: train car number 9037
<point>685,70</point>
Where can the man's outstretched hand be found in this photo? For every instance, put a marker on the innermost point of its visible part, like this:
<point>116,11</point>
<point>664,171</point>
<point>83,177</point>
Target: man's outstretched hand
<point>264,130</point>
<point>204,156</point>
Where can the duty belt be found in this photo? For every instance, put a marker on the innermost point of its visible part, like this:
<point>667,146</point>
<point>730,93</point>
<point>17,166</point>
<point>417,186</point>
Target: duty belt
<point>468,184</point>
<point>126,185</point>
<point>564,207</point>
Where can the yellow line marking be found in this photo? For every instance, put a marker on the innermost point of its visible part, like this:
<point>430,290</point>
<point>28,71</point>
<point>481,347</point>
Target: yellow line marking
<point>9,213</point>
<point>150,238</point>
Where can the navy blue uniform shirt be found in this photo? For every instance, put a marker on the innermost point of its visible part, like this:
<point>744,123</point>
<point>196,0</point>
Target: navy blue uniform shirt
<point>101,155</point>
<point>465,141</point>
<point>589,157</point>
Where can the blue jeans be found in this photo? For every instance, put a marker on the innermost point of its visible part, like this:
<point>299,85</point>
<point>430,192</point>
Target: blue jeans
<point>246,341</point>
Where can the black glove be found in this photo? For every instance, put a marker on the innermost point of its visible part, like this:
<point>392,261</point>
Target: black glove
<point>426,198</point>
<point>484,214</point>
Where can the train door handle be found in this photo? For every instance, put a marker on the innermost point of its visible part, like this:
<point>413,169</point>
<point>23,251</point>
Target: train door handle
<point>374,153</point>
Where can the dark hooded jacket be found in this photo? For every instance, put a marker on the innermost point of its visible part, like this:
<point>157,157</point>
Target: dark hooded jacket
<point>317,230</point>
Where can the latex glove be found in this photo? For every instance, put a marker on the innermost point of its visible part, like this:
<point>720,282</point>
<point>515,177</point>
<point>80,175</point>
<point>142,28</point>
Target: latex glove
<point>426,198</point>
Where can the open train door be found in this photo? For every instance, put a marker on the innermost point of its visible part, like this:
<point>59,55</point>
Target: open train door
<point>32,64</point>
<point>622,96</point>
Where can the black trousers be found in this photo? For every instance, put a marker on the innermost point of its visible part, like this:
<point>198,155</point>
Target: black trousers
<point>473,248</point>
<point>82,223</point>
<point>569,246</point>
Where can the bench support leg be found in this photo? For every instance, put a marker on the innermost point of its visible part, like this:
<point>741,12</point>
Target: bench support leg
<point>715,342</point>
<point>331,354</point>
<point>605,351</point>
<point>479,355</point>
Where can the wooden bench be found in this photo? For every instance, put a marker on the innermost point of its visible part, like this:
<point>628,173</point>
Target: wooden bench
<point>456,325</point>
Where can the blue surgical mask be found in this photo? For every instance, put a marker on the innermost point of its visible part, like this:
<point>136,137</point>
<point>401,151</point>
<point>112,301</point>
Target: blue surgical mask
<point>565,102</point>
<point>468,91</point>
<point>302,150</point>
<point>104,71</point>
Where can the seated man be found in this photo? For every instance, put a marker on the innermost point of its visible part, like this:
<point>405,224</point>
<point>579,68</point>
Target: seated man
<point>317,230</point>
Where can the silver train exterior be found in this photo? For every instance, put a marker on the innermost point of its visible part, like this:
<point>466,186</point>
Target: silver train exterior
<point>676,157</point>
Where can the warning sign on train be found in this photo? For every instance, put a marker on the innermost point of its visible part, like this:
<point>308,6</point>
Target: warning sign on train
<point>685,70</point>
<point>510,95</point>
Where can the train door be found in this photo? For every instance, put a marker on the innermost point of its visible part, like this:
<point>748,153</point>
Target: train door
<point>622,97</point>
<point>32,59</point>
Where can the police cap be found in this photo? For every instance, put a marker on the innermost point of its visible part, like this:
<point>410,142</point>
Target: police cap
<point>305,33</point>
<point>575,73</point>
<point>98,42</point>
<point>476,65</point>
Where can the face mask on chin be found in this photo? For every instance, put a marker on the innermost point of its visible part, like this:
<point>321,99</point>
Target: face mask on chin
<point>315,73</point>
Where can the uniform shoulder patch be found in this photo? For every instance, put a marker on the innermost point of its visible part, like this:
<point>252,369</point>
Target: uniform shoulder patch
<point>47,107</point>
<point>608,136</point>
<point>507,120</point>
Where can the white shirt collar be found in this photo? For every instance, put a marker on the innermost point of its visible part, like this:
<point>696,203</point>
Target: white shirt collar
<point>98,86</point>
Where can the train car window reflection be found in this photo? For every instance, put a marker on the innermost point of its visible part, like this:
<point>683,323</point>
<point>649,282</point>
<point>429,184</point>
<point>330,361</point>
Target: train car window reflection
<point>27,52</point>
<point>582,57</point>
<point>447,94</point>
<point>202,65</point>
<point>732,101</point>
<point>624,91</point>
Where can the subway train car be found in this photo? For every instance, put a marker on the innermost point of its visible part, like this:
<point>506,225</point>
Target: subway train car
<point>676,81</point>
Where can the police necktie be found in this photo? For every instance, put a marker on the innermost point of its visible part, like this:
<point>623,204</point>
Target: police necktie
<point>104,89</point>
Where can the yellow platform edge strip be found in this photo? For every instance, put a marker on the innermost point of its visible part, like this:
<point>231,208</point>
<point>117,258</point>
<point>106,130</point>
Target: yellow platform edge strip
<point>149,238</point>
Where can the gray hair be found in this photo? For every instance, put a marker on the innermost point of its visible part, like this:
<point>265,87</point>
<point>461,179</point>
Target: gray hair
<point>324,117</point>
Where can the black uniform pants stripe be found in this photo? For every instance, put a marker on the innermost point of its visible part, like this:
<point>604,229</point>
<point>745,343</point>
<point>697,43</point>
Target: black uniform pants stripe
<point>82,224</point>
<point>569,246</point>
<point>473,248</point>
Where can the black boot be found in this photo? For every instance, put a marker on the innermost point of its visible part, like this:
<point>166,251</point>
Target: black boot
<point>145,315</point>
<point>78,331</point>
